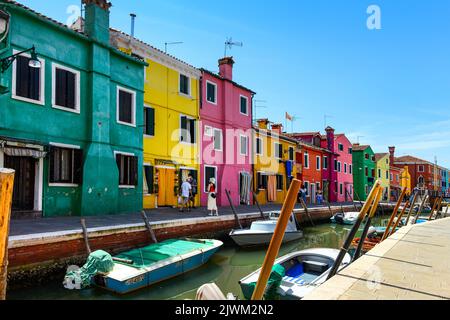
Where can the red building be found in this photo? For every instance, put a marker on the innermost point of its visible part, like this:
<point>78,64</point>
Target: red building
<point>422,172</point>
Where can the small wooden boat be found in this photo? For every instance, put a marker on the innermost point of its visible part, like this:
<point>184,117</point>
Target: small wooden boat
<point>304,271</point>
<point>146,266</point>
<point>347,218</point>
<point>261,232</point>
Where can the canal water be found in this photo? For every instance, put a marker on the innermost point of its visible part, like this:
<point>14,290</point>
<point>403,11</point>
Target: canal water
<point>225,268</point>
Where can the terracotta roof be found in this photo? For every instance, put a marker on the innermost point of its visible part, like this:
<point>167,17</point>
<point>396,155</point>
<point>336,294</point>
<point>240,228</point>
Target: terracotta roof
<point>411,159</point>
<point>379,156</point>
<point>359,147</point>
<point>306,133</point>
<point>218,76</point>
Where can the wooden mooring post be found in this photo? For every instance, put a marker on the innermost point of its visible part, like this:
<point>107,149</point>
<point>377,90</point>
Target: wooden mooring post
<point>236,217</point>
<point>6,191</point>
<point>257,204</point>
<point>305,207</point>
<point>149,227</point>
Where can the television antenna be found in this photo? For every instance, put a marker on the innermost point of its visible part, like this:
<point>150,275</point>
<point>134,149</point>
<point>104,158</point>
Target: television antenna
<point>358,137</point>
<point>170,43</point>
<point>256,106</point>
<point>229,43</point>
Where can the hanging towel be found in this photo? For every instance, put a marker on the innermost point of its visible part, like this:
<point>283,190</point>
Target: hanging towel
<point>246,183</point>
<point>289,166</point>
<point>272,188</point>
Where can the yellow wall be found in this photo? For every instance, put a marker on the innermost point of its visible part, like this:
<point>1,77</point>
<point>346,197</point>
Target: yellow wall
<point>383,165</point>
<point>162,94</point>
<point>267,163</point>
<point>405,180</point>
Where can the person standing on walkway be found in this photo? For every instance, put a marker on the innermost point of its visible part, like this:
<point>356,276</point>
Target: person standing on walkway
<point>193,183</point>
<point>319,197</point>
<point>212,197</point>
<point>186,192</point>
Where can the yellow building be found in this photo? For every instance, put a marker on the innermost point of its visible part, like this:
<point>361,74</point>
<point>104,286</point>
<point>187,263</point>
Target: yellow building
<point>171,122</point>
<point>274,162</point>
<point>382,173</point>
<point>405,180</point>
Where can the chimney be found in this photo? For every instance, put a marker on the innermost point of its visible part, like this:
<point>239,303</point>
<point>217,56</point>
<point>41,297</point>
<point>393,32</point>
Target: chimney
<point>226,68</point>
<point>277,128</point>
<point>330,138</point>
<point>133,19</point>
<point>97,20</point>
<point>392,155</point>
<point>262,123</point>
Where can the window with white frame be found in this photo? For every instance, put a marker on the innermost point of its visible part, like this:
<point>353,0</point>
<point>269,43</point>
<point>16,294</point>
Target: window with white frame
<point>244,145</point>
<point>211,92</point>
<point>259,146</point>
<point>65,88</point>
<point>345,168</point>
<point>291,153</point>
<point>278,150</point>
<point>218,140</point>
<point>208,131</point>
<point>421,168</point>
<point>318,163</point>
<point>350,169</point>
<point>340,147</point>
<point>128,169</point>
<point>387,174</point>
<point>325,162</point>
<point>126,106</point>
<point>379,173</point>
<point>339,167</point>
<point>306,159</point>
<point>65,165</point>
<point>185,85</point>
<point>244,105</point>
<point>28,84</point>
<point>187,130</point>
<point>335,165</point>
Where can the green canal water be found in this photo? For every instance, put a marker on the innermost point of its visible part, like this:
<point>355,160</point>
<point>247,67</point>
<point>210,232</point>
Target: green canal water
<point>225,268</point>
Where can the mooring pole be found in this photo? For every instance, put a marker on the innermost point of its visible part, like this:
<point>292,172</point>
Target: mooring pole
<point>305,207</point>
<point>411,208</point>
<point>394,214</point>
<point>353,231</point>
<point>373,210</point>
<point>257,204</point>
<point>421,206</point>
<point>277,238</point>
<point>6,191</point>
<point>399,218</point>
<point>85,236</point>
<point>236,217</point>
<point>148,226</point>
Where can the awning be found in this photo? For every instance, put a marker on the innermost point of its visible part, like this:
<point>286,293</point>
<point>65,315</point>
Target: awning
<point>23,152</point>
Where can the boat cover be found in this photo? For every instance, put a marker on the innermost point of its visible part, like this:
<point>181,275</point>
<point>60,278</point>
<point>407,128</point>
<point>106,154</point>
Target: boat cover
<point>145,257</point>
<point>276,277</point>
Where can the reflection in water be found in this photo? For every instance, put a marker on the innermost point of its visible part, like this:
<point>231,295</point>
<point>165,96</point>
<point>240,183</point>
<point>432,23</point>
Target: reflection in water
<point>225,268</point>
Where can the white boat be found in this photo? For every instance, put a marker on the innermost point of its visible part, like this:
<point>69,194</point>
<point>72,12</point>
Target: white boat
<point>304,271</point>
<point>261,232</point>
<point>348,218</point>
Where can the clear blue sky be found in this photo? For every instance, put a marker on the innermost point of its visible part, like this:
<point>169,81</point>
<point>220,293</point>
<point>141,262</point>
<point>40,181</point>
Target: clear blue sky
<point>311,58</point>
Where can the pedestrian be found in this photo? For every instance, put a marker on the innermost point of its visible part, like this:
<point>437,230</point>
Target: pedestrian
<point>212,197</point>
<point>303,193</point>
<point>319,197</point>
<point>186,191</point>
<point>193,183</point>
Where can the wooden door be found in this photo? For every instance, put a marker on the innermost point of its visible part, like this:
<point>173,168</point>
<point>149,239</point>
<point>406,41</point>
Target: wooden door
<point>23,193</point>
<point>161,187</point>
<point>171,198</point>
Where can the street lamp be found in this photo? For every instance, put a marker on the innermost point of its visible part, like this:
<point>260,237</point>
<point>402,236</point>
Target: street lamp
<point>34,61</point>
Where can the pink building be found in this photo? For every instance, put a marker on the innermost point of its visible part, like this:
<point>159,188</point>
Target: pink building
<point>339,171</point>
<point>226,135</point>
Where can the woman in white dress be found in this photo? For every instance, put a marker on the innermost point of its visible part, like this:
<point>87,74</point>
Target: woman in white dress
<point>212,197</point>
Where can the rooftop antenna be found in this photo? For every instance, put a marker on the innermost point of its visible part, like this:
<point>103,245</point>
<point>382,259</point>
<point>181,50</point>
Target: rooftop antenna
<point>229,43</point>
<point>256,106</point>
<point>294,118</point>
<point>133,18</point>
<point>170,43</point>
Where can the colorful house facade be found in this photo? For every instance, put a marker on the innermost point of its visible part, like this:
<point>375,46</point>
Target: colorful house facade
<point>400,176</point>
<point>274,162</point>
<point>170,123</point>
<point>226,136</point>
<point>383,173</point>
<point>70,128</point>
<point>339,169</point>
<point>313,159</point>
<point>421,171</point>
<point>364,175</point>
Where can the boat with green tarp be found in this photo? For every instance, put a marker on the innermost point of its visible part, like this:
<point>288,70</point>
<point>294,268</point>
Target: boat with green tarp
<point>143,267</point>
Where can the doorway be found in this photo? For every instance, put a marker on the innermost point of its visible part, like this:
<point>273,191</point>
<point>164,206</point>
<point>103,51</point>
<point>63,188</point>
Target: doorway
<point>313,193</point>
<point>24,182</point>
<point>166,187</point>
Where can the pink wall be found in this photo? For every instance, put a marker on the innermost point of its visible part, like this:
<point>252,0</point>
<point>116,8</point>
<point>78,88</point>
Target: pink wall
<point>226,116</point>
<point>346,178</point>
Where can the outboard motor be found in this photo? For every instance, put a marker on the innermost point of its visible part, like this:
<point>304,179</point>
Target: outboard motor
<point>339,218</point>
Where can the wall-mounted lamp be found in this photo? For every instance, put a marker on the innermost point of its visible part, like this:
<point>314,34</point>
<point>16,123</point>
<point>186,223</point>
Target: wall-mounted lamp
<point>34,61</point>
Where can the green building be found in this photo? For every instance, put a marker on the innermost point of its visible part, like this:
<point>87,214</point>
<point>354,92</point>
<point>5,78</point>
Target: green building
<point>363,171</point>
<point>71,125</point>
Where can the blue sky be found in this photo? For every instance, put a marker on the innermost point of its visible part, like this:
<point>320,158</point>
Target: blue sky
<point>311,58</point>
